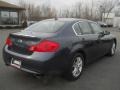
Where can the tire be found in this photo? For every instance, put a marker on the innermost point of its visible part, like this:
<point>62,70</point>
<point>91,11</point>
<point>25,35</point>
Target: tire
<point>112,50</point>
<point>76,68</point>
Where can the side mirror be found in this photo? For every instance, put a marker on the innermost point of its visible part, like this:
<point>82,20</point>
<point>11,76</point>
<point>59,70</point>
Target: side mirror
<point>102,34</point>
<point>106,32</point>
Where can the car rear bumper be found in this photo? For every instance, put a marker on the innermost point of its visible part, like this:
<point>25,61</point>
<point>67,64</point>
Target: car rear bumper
<point>39,63</point>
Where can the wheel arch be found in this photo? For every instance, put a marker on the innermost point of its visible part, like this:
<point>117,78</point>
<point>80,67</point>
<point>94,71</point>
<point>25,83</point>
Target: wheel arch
<point>83,54</point>
<point>115,41</point>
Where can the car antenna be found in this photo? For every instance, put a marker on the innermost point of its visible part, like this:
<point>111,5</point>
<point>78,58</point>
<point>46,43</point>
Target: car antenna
<point>56,18</point>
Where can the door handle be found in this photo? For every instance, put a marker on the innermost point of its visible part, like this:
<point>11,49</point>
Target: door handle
<point>83,39</point>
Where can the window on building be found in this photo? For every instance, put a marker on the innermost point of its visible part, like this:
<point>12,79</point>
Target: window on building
<point>9,18</point>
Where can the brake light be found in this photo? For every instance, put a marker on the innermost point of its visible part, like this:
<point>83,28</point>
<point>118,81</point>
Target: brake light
<point>8,42</point>
<point>45,46</point>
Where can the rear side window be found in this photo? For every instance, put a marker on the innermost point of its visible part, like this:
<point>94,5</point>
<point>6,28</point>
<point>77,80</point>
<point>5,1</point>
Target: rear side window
<point>85,27</point>
<point>76,28</point>
<point>96,28</point>
<point>46,26</point>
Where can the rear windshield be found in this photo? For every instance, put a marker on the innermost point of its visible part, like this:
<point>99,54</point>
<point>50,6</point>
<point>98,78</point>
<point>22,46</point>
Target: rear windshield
<point>46,26</point>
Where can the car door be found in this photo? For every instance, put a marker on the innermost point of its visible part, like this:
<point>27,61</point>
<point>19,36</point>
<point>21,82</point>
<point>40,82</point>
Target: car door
<point>89,40</point>
<point>103,41</point>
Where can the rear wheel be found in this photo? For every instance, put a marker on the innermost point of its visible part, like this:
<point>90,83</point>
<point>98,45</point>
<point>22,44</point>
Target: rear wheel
<point>76,68</point>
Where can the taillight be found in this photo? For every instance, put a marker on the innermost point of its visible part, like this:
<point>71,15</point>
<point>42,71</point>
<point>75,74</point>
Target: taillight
<point>45,46</point>
<point>8,42</point>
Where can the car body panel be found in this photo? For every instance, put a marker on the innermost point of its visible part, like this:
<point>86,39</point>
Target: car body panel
<point>91,45</point>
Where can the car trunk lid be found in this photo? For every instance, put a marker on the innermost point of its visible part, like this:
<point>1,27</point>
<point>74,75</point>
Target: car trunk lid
<point>21,43</point>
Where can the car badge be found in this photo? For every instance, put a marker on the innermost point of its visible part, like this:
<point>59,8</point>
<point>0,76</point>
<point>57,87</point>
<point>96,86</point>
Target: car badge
<point>20,41</point>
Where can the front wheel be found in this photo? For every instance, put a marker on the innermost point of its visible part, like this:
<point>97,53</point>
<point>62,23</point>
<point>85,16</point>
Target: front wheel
<point>112,50</point>
<point>76,68</point>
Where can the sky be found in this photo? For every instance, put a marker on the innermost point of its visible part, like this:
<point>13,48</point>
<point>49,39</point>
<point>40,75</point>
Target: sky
<point>55,3</point>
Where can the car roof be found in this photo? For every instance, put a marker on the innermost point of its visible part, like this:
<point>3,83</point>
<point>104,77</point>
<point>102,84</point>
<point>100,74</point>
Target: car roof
<point>69,19</point>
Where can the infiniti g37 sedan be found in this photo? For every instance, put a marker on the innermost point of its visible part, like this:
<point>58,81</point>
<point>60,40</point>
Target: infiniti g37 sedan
<point>61,46</point>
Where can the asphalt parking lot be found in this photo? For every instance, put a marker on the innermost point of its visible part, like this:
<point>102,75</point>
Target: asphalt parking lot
<point>103,74</point>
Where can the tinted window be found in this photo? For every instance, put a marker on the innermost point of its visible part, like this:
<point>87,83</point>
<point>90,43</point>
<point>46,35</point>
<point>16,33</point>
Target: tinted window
<point>46,26</point>
<point>85,28</point>
<point>77,29</point>
<point>96,28</point>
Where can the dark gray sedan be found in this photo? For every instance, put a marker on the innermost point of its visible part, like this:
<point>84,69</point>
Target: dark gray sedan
<point>61,46</point>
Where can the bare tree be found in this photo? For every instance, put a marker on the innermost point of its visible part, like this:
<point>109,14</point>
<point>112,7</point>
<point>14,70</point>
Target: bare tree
<point>48,11</point>
<point>107,6</point>
<point>93,11</point>
<point>78,10</point>
<point>34,12</point>
<point>29,8</point>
